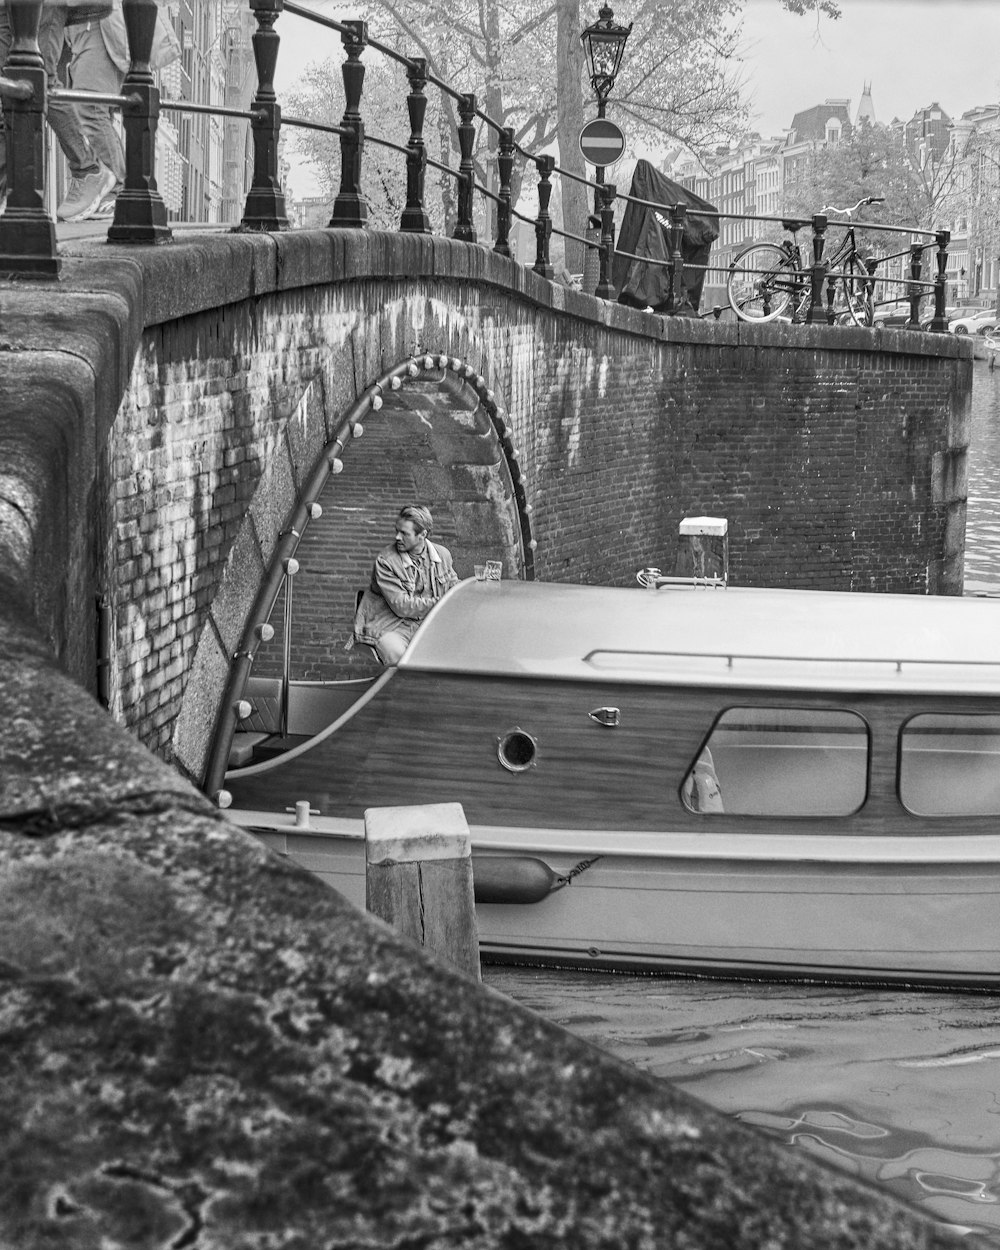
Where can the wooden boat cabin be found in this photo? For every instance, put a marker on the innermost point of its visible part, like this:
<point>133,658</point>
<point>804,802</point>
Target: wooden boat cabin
<point>729,781</point>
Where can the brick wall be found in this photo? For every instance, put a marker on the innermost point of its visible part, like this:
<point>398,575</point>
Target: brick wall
<point>836,456</point>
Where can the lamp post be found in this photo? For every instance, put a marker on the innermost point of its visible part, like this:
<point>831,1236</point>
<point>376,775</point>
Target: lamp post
<point>603,42</point>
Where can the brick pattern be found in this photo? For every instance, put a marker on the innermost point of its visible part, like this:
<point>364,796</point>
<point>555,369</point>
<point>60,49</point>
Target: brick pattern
<point>835,467</point>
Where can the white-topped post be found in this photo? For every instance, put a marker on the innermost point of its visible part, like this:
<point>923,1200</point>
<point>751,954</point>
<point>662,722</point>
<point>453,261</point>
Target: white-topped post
<point>703,548</point>
<point>419,878</point>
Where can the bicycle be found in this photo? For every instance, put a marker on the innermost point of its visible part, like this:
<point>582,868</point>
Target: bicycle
<point>765,279</point>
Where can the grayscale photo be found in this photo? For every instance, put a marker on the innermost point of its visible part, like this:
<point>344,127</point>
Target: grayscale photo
<point>499,625</point>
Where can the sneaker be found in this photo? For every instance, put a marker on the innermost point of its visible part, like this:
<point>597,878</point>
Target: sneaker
<point>85,194</point>
<point>104,211</point>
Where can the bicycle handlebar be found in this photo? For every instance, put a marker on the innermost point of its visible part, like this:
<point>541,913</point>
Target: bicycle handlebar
<point>849,212</point>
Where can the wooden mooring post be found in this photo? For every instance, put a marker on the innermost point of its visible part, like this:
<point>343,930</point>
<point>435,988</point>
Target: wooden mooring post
<point>418,879</point>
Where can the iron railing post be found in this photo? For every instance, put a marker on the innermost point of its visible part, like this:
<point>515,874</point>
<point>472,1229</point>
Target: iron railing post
<point>140,214</point>
<point>27,233</point>
<point>939,322</point>
<point>464,229</point>
<point>605,287</point>
<point>914,289</point>
<point>817,314</point>
<point>678,216</point>
<point>415,218</point>
<point>265,206</point>
<point>350,208</point>
<point>543,225</point>
<point>505,168</point>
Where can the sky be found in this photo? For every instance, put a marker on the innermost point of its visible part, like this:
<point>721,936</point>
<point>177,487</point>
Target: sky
<point>913,52</point>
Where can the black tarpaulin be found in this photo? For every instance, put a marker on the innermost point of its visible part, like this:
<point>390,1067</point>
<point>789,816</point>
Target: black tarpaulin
<point>645,232</point>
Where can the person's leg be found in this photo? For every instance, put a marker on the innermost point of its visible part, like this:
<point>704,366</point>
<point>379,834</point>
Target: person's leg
<point>62,115</point>
<point>90,181</point>
<point>391,646</point>
<point>91,69</point>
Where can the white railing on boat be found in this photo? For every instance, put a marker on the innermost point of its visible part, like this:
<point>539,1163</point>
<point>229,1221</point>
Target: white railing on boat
<point>730,657</point>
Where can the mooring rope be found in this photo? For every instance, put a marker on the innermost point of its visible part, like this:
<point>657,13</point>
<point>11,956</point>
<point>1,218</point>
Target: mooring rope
<point>582,866</point>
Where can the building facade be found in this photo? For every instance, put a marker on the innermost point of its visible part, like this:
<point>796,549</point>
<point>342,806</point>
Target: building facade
<point>958,163</point>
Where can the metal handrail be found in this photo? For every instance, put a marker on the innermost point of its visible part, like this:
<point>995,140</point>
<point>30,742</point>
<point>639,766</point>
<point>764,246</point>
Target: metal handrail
<point>141,103</point>
<point>731,656</point>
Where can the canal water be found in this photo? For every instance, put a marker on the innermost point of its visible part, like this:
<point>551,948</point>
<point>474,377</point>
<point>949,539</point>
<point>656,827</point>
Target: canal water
<point>898,1088</point>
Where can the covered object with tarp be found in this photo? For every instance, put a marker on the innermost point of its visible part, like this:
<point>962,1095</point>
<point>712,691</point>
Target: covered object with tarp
<point>645,232</point>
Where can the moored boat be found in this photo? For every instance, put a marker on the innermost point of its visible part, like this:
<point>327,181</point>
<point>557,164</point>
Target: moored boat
<point>739,782</point>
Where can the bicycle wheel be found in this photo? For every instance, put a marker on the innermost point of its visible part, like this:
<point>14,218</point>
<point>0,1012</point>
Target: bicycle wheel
<point>761,282</point>
<point>852,295</point>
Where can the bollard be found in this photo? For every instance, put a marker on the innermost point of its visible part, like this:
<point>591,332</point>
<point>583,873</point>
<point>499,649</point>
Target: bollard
<point>419,879</point>
<point>703,548</point>
<point>543,225</point>
<point>465,230</point>
<point>350,208</point>
<point>817,314</point>
<point>415,219</point>
<point>505,168</point>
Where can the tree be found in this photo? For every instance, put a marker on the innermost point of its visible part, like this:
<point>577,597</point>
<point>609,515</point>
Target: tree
<point>876,160</point>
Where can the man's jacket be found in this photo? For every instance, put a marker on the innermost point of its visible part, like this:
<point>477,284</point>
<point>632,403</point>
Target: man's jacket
<point>399,595</point>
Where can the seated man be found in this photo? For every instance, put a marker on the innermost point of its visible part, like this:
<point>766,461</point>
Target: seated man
<point>409,577</point>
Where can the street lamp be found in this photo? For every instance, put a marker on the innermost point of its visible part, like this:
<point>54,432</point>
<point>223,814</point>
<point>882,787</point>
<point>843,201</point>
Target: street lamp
<point>604,43</point>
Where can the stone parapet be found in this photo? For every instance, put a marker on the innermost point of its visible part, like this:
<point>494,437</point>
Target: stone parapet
<point>205,1046</point>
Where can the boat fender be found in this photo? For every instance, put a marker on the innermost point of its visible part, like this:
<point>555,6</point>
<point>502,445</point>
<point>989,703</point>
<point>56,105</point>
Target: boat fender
<point>513,879</point>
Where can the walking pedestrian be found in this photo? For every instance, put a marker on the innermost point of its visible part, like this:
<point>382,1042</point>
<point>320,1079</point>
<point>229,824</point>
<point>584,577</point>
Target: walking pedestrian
<point>90,180</point>
<point>99,60</point>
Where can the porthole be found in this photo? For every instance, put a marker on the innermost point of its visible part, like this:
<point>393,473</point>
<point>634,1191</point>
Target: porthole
<point>516,750</point>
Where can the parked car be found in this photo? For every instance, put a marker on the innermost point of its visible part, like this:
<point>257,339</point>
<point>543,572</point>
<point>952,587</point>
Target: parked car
<point>892,316</point>
<point>951,313</point>
<point>897,314</point>
<point>977,323</point>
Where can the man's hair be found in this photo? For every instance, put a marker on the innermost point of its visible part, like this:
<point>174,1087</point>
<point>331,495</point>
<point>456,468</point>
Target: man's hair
<point>419,515</point>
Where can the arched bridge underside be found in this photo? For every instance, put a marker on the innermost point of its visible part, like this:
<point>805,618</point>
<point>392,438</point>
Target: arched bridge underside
<point>178,423</point>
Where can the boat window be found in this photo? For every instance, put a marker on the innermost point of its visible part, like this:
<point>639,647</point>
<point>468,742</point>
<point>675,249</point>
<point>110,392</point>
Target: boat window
<point>949,765</point>
<point>780,762</point>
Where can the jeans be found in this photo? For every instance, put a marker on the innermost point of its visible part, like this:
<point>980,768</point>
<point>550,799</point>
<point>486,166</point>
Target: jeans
<point>92,69</point>
<point>62,115</point>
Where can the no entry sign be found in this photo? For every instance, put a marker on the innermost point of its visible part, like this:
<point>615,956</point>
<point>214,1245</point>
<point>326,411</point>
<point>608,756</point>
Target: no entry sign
<point>601,142</point>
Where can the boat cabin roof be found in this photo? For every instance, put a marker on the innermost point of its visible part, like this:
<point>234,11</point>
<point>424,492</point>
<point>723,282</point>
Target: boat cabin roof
<point>800,639</point>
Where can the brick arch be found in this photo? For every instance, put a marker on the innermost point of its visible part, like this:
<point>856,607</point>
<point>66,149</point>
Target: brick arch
<point>433,442</point>
<point>429,431</point>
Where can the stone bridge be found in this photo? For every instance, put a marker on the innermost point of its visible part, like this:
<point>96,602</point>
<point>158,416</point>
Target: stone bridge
<point>208,1046</point>
<point>179,422</point>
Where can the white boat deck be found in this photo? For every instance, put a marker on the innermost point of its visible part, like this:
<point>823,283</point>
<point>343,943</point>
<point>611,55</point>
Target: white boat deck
<point>739,637</point>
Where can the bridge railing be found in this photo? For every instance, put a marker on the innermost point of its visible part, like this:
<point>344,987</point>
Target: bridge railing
<point>28,246</point>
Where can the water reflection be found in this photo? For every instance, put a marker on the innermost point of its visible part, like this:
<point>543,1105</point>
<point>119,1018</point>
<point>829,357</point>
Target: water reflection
<point>899,1089</point>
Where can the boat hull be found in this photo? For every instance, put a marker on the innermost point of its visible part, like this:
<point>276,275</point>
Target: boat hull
<point>912,915</point>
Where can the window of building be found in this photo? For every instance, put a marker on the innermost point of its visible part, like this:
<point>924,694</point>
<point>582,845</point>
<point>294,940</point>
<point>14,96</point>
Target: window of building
<point>949,765</point>
<point>781,762</point>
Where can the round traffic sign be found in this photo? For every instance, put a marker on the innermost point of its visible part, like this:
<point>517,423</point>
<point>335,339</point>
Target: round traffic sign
<point>601,142</point>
